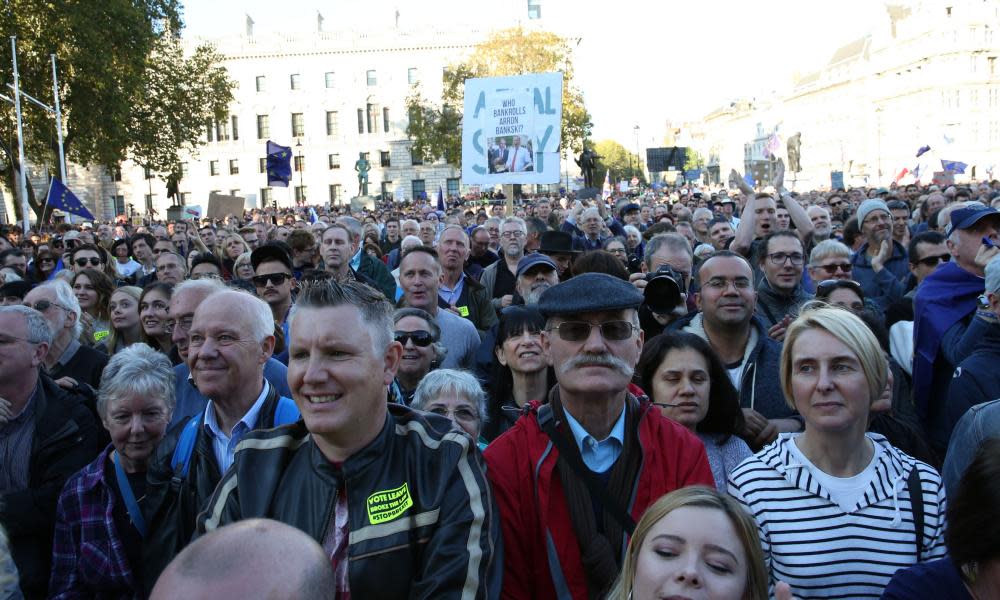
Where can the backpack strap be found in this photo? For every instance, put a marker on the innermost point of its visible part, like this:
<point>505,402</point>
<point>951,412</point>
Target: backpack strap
<point>180,462</point>
<point>917,507</point>
<point>285,413</point>
<point>547,422</point>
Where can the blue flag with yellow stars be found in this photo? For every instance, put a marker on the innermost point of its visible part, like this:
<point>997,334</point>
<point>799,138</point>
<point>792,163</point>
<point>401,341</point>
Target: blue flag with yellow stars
<point>279,164</point>
<point>60,197</point>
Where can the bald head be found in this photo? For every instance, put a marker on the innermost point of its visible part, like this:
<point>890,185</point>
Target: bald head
<point>239,561</point>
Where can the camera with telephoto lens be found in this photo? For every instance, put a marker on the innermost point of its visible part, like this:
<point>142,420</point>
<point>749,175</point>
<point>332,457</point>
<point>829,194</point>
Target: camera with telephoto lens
<point>663,290</point>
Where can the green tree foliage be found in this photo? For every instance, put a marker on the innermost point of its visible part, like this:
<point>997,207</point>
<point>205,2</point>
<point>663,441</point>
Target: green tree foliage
<point>126,87</point>
<point>616,158</point>
<point>436,129</point>
<point>693,160</point>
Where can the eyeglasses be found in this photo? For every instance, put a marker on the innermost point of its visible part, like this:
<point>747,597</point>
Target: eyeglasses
<point>779,258</point>
<point>461,413</point>
<point>184,323</point>
<point>832,269</point>
<point>419,338</point>
<point>578,331</point>
<point>44,305</point>
<point>932,261</point>
<point>82,262</point>
<point>277,278</point>
<point>46,260</point>
<point>512,234</point>
<point>7,340</point>
<point>825,288</point>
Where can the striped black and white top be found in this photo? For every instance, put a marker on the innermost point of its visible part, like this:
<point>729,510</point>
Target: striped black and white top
<point>819,549</point>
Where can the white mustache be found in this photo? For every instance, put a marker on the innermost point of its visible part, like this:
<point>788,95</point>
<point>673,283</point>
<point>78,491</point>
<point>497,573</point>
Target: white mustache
<point>600,360</point>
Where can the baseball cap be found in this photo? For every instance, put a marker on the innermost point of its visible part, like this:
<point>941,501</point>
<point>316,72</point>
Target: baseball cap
<point>964,218</point>
<point>532,260</point>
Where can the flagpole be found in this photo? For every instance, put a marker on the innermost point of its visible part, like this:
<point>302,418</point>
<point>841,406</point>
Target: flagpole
<point>23,179</point>
<point>59,132</point>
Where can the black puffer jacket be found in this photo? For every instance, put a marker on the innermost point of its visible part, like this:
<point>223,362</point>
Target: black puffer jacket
<point>171,507</point>
<point>67,438</point>
<point>422,521</point>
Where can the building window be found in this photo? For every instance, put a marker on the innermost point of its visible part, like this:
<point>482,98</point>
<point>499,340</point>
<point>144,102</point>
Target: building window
<point>234,167</point>
<point>119,205</point>
<point>295,81</point>
<point>370,76</point>
<point>334,160</point>
<point>418,188</point>
<point>411,76</point>
<point>415,159</point>
<point>116,173</point>
<point>300,193</point>
<point>385,120</point>
<point>369,116</point>
<point>265,195</point>
<point>147,173</point>
<point>261,83</point>
<point>332,123</point>
<point>236,126</point>
<point>300,163</point>
<point>386,191</point>
<point>185,169</point>
<point>384,158</point>
<point>534,9</point>
<point>298,125</point>
<point>210,130</point>
<point>262,164</point>
<point>213,167</point>
<point>361,120</point>
<point>263,127</point>
<point>334,193</point>
<point>453,186</point>
<point>328,79</point>
<point>221,131</point>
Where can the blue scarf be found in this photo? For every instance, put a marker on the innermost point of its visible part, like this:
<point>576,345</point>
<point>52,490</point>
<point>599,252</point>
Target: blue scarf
<point>945,297</point>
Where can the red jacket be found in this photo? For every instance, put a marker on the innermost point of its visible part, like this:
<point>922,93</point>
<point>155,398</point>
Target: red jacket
<point>541,555</point>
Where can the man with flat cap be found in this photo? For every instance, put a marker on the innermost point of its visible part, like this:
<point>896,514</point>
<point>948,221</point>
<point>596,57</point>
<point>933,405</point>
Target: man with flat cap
<point>573,475</point>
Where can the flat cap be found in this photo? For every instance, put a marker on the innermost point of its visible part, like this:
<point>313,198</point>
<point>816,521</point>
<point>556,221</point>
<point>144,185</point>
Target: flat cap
<point>589,292</point>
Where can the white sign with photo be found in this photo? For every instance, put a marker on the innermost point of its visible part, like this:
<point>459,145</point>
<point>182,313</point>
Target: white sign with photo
<point>511,129</point>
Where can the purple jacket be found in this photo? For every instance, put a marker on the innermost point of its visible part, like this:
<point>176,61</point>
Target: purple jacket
<point>88,557</point>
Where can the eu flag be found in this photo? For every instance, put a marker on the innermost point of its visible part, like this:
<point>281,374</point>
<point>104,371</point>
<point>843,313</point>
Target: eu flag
<point>60,197</point>
<point>279,164</point>
<point>954,166</point>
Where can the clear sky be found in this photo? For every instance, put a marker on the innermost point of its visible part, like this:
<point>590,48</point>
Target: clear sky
<point>640,62</point>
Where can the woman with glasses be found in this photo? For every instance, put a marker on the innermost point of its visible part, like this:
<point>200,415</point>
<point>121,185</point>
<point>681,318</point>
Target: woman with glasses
<point>838,510</point>
<point>97,552</point>
<point>457,396</point>
<point>93,289</point>
<point>419,334</point>
<point>830,259</point>
<point>242,273</point>
<point>125,327</point>
<point>43,266</point>
<point>616,246</point>
<point>683,376</point>
<point>154,304</point>
<point>520,370</point>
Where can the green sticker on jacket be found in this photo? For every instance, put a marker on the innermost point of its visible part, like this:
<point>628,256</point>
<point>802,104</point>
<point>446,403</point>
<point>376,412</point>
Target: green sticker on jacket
<point>387,505</point>
<point>464,311</point>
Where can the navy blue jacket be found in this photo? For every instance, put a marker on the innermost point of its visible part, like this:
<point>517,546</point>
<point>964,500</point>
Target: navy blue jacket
<point>886,286</point>
<point>976,379</point>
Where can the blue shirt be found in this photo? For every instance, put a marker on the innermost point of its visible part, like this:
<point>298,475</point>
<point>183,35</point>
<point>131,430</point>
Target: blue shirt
<point>224,446</point>
<point>599,456</point>
<point>452,295</point>
<point>356,260</point>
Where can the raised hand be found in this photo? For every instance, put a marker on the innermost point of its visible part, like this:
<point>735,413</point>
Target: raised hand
<point>779,176</point>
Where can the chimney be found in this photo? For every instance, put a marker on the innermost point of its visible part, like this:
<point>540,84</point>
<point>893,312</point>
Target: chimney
<point>249,26</point>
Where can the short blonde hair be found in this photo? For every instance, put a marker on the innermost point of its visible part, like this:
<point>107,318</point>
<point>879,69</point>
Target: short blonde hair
<point>703,497</point>
<point>847,328</point>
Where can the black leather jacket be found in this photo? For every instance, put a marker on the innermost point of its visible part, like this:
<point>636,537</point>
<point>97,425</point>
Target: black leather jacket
<point>422,521</point>
<point>171,508</point>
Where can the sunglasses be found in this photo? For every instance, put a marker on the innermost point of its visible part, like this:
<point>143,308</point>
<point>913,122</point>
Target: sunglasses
<point>419,338</point>
<point>932,261</point>
<point>277,278</point>
<point>82,262</point>
<point>578,331</point>
<point>824,288</point>
<point>44,305</point>
<point>831,269</point>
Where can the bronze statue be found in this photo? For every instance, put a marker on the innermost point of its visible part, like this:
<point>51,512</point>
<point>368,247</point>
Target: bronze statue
<point>362,166</point>
<point>587,162</point>
<point>794,147</point>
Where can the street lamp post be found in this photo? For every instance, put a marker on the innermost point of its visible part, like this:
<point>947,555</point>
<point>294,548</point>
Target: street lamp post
<point>638,159</point>
<point>302,189</point>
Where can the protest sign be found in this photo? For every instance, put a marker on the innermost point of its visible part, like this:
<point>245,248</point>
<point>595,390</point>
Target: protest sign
<point>220,205</point>
<point>511,129</point>
<point>191,211</point>
<point>836,180</point>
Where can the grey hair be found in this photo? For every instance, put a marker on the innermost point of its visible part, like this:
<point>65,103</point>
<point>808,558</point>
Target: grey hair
<point>205,286</point>
<point>814,208</point>
<point>700,212</point>
<point>460,229</point>
<point>376,312</point>
<point>632,229</point>
<point>139,370</point>
<point>64,296</point>
<point>517,221</point>
<point>261,317</point>
<point>410,241</point>
<point>353,226</point>
<point>38,327</point>
<point>407,221</point>
<point>440,350</point>
<point>589,212</point>
<point>826,249</point>
<point>455,381</point>
<point>496,220</point>
<point>673,241</point>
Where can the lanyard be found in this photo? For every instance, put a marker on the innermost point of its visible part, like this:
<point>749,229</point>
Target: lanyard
<point>130,502</point>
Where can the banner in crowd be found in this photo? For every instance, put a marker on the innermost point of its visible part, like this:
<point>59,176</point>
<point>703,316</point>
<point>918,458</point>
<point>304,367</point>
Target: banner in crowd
<point>511,129</point>
<point>220,205</point>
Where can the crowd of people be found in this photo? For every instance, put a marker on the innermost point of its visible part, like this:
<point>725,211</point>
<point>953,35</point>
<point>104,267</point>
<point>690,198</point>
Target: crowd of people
<point>702,392</point>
